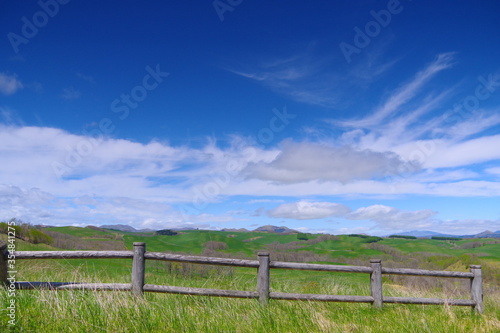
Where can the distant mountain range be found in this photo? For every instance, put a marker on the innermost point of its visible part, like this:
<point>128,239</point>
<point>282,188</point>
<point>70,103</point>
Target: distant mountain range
<point>235,230</point>
<point>124,227</point>
<point>265,228</point>
<point>286,230</point>
<point>429,234</point>
<point>275,229</point>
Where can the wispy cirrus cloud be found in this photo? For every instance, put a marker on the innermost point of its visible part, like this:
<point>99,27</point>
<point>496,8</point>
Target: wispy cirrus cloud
<point>299,78</point>
<point>88,78</point>
<point>9,84</point>
<point>71,93</point>
<point>315,79</point>
<point>404,94</point>
<point>10,117</point>
<point>419,124</point>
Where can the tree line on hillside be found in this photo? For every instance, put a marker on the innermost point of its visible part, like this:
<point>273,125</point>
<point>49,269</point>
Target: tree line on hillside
<point>446,238</point>
<point>402,236</point>
<point>165,232</point>
<point>25,231</point>
<point>36,234</point>
<point>367,238</point>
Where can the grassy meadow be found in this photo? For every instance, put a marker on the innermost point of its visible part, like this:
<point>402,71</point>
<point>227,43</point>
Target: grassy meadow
<point>94,311</point>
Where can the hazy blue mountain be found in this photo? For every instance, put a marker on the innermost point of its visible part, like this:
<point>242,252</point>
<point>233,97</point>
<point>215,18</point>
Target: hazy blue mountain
<point>429,234</point>
<point>124,227</point>
<point>275,229</point>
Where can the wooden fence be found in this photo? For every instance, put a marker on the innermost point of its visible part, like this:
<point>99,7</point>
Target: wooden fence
<point>263,265</point>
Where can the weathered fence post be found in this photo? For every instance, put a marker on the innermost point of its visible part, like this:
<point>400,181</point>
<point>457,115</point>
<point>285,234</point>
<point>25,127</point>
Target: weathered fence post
<point>3,264</point>
<point>476,288</point>
<point>263,277</point>
<point>376,282</point>
<point>138,268</point>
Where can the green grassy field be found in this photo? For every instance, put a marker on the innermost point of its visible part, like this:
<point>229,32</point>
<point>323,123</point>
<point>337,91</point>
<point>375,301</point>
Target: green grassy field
<point>248,243</point>
<point>91,311</point>
<point>88,233</point>
<point>192,241</point>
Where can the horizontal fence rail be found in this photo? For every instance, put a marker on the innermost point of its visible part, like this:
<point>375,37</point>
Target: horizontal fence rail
<point>263,266</point>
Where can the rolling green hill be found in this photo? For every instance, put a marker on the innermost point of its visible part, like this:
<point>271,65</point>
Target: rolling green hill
<point>88,232</point>
<point>342,249</point>
<point>192,241</point>
<point>249,243</point>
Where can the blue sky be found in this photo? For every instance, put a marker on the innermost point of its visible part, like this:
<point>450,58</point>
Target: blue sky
<point>330,116</point>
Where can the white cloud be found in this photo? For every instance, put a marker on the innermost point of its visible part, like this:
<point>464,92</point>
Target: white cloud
<point>305,210</point>
<point>9,84</point>
<point>440,175</point>
<point>92,180</point>
<point>306,161</point>
<point>367,189</point>
<point>493,171</point>
<point>466,226</point>
<point>466,153</point>
<point>27,204</point>
<point>475,123</point>
<point>265,200</point>
<point>13,195</point>
<point>392,218</point>
<point>36,206</point>
<point>381,219</point>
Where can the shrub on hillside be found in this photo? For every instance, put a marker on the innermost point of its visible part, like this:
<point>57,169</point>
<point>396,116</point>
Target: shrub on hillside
<point>4,227</point>
<point>445,238</point>
<point>38,237</point>
<point>302,236</point>
<point>166,232</point>
<point>358,235</point>
<point>372,239</point>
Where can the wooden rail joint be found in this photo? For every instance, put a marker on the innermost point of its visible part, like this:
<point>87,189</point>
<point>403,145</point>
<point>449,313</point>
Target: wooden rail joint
<point>3,264</point>
<point>138,269</point>
<point>263,277</point>
<point>376,282</point>
<point>476,287</point>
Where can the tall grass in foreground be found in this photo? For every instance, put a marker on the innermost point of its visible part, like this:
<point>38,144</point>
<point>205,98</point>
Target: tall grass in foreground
<point>89,311</point>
